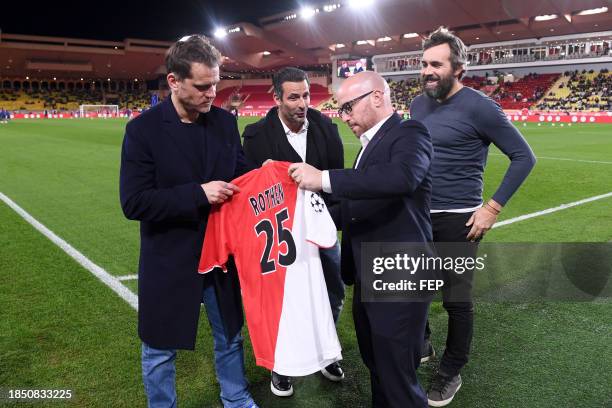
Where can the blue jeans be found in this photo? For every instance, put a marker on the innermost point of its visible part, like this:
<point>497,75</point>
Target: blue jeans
<point>330,261</point>
<point>159,368</point>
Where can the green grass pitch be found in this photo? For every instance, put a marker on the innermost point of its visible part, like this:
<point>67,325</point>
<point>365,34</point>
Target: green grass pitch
<point>61,328</point>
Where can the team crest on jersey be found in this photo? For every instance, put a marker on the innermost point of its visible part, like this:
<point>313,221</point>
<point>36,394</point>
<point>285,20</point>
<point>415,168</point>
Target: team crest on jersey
<point>316,202</point>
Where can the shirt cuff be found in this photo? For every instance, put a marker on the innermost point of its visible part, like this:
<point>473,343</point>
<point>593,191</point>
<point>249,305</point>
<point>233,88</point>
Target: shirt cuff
<point>325,182</point>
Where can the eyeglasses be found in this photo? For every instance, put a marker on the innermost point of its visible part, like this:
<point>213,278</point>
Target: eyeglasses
<point>348,106</point>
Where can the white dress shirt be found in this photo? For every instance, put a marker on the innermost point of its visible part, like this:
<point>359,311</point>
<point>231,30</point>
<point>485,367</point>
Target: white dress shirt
<point>364,139</point>
<point>297,140</point>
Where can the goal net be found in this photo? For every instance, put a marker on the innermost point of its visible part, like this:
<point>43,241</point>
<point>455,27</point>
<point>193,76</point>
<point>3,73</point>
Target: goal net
<point>99,111</point>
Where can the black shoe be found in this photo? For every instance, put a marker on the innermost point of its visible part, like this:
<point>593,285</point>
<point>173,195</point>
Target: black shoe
<point>333,372</point>
<point>427,351</point>
<point>281,385</point>
<point>443,389</point>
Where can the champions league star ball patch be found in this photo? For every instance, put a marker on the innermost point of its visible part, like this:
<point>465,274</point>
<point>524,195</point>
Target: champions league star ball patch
<point>316,202</point>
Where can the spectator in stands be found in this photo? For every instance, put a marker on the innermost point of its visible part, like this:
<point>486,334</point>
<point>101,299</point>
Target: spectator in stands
<point>170,177</point>
<point>462,123</point>
<point>296,133</point>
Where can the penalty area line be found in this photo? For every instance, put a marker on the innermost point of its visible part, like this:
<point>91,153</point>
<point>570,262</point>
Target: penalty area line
<point>551,210</point>
<point>113,283</point>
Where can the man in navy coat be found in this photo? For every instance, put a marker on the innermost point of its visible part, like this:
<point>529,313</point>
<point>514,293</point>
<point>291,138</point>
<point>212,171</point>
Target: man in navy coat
<point>177,160</point>
<point>385,198</point>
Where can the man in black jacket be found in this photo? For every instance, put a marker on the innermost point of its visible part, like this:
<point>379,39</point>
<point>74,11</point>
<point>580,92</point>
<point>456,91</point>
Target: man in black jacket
<point>176,162</point>
<point>384,200</point>
<point>292,132</point>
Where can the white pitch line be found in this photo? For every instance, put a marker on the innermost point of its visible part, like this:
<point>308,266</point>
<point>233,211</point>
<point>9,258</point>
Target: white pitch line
<point>96,270</point>
<point>127,277</point>
<point>551,210</point>
<point>562,158</point>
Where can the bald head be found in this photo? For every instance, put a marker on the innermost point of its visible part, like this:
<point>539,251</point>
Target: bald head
<point>361,83</point>
<point>369,110</point>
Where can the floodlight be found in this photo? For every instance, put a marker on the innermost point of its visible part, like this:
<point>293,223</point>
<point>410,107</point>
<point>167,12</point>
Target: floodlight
<point>588,12</point>
<point>360,4</point>
<point>220,33</point>
<point>545,17</point>
<point>307,12</point>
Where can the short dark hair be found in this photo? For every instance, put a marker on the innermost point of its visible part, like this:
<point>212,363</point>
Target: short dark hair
<point>458,55</point>
<point>288,74</point>
<point>190,49</point>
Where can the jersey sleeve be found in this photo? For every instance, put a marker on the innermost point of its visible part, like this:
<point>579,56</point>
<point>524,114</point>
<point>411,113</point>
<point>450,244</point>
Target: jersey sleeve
<point>216,247</point>
<point>320,228</point>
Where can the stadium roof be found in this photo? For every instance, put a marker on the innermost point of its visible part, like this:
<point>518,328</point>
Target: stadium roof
<point>381,27</point>
<point>263,43</point>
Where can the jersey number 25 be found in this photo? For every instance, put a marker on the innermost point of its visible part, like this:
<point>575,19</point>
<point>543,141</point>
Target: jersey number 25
<point>265,226</point>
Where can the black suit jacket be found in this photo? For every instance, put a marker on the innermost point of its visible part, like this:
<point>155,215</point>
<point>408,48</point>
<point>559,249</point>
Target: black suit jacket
<point>266,139</point>
<point>160,180</point>
<point>387,198</point>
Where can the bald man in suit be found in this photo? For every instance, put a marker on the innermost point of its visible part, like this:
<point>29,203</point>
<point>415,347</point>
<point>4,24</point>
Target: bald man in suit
<point>385,197</point>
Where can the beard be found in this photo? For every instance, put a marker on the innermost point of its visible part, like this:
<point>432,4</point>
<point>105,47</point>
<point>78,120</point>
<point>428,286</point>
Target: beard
<point>441,90</point>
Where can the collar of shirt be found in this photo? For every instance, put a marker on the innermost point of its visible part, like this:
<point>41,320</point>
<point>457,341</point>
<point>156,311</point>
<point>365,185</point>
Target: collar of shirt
<point>369,134</point>
<point>289,132</point>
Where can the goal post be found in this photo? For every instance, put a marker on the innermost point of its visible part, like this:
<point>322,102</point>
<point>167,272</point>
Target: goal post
<point>99,111</point>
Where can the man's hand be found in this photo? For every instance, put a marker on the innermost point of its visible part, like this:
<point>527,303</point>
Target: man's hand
<point>482,220</point>
<point>268,161</point>
<point>218,192</point>
<point>306,176</point>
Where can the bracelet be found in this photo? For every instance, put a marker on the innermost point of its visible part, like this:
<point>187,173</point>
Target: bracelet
<point>490,208</point>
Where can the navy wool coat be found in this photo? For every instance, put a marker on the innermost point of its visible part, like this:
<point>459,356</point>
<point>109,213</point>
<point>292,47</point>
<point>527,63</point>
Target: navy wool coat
<point>160,178</point>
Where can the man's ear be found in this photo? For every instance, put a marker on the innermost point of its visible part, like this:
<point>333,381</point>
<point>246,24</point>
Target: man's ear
<point>173,81</point>
<point>459,72</point>
<point>277,100</point>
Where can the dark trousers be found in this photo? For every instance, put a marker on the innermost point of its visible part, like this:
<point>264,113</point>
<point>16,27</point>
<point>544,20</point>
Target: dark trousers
<point>456,292</point>
<point>330,262</point>
<point>390,338</point>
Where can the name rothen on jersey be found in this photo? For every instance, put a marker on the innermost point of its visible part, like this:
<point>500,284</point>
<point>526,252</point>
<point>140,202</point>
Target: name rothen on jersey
<point>274,231</point>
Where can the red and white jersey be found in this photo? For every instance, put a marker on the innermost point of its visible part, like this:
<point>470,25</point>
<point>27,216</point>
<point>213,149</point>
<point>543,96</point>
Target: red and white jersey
<point>274,231</point>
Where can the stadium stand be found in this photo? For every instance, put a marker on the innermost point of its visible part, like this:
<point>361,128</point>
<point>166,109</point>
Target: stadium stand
<point>318,94</point>
<point>580,91</point>
<point>226,96</point>
<point>260,97</point>
<point>69,100</point>
<point>524,92</point>
<point>520,94</point>
<point>402,93</point>
<point>520,54</point>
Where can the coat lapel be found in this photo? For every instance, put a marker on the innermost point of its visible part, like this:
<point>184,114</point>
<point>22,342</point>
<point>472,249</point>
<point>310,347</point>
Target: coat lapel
<point>282,149</point>
<point>357,156</point>
<point>316,149</point>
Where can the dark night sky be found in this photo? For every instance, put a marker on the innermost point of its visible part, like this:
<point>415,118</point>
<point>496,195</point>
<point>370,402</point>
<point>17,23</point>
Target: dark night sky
<point>116,20</point>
